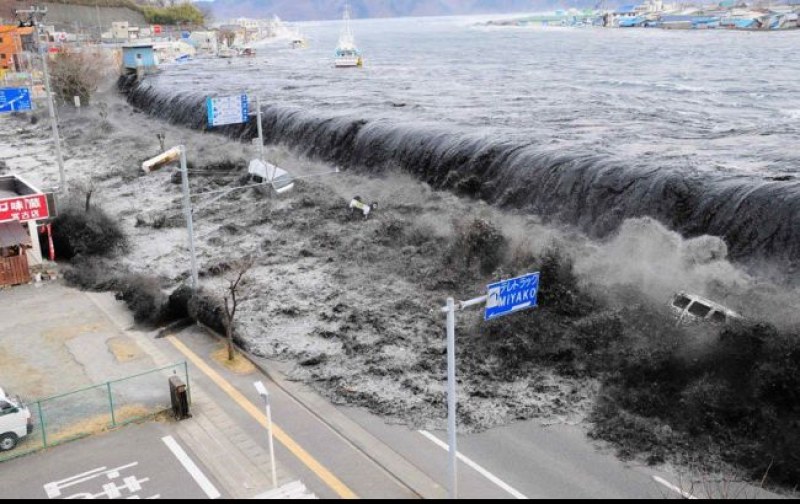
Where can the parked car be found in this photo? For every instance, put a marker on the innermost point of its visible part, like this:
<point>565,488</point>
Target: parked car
<point>16,422</point>
<point>692,308</point>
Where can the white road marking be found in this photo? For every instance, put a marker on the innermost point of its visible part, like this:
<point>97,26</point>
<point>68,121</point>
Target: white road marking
<point>191,468</point>
<point>685,495</point>
<point>486,474</point>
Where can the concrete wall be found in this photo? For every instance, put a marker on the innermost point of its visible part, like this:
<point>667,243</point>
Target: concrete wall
<point>72,17</point>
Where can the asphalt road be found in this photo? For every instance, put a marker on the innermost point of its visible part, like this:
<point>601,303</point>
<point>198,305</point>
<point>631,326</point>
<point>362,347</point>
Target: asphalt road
<point>357,472</point>
<point>136,462</point>
<point>527,460</point>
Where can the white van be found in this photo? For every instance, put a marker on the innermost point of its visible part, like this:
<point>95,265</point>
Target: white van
<point>16,422</point>
<point>262,172</point>
<point>688,307</point>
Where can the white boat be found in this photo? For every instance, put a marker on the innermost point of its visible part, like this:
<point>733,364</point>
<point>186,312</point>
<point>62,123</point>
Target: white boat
<point>347,54</point>
<point>298,41</point>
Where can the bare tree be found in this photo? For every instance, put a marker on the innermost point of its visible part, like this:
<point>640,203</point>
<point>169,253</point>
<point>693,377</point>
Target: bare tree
<point>78,73</point>
<point>232,299</point>
<point>86,186</point>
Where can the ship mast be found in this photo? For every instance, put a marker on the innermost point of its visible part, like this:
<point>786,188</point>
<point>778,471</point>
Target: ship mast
<point>347,40</point>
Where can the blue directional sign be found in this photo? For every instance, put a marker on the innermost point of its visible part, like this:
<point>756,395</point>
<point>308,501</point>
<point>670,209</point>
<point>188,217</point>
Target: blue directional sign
<point>15,100</point>
<point>228,110</point>
<point>512,296</point>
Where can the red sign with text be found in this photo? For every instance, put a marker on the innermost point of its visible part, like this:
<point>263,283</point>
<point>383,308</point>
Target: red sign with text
<point>24,208</point>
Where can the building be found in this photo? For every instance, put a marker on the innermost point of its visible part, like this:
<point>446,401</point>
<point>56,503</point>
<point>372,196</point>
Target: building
<point>122,31</point>
<point>205,41</point>
<point>13,42</point>
<point>15,242</point>
<point>22,208</point>
<point>139,58</point>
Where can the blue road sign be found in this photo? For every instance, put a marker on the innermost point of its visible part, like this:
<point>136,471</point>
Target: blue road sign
<point>511,296</point>
<point>15,100</point>
<point>228,110</point>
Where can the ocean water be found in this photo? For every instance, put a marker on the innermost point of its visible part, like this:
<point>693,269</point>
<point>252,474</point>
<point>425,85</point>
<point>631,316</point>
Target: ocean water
<point>585,126</point>
<point>696,100</point>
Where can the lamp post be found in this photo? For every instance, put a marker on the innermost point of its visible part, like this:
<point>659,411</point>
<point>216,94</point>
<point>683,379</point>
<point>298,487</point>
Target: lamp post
<point>264,393</point>
<point>169,156</point>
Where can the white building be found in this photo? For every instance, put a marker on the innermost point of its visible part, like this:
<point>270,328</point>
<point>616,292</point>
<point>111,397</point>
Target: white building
<point>205,41</point>
<point>122,31</point>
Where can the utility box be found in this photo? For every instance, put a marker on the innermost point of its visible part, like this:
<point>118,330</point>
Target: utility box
<point>180,398</point>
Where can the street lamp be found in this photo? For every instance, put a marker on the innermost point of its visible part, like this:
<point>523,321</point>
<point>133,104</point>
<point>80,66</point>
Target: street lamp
<point>264,393</point>
<point>169,156</point>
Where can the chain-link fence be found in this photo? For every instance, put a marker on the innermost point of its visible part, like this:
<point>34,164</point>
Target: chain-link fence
<point>95,409</point>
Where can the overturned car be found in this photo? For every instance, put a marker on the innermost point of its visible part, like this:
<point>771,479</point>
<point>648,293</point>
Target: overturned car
<point>691,308</point>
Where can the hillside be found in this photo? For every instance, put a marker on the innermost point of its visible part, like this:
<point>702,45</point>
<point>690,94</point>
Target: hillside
<point>331,9</point>
<point>73,15</point>
<point>7,6</point>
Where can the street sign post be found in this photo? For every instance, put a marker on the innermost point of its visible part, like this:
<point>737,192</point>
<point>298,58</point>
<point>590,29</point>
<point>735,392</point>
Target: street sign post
<point>227,110</point>
<point>503,298</point>
<point>15,100</point>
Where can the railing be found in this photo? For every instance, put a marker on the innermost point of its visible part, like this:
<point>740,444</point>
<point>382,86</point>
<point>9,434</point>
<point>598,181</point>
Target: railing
<point>99,408</point>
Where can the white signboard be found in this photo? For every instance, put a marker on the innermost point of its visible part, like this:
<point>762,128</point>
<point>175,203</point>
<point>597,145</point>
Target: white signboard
<point>226,110</point>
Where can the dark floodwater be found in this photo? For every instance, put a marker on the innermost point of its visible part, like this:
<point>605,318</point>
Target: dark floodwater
<point>698,129</point>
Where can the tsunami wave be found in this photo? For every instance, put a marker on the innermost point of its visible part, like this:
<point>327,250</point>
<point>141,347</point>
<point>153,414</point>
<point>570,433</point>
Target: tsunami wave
<point>756,216</point>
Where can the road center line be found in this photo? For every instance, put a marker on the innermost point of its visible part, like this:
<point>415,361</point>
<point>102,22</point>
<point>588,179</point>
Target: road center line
<point>318,469</point>
<point>685,495</point>
<point>483,472</point>
<point>195,472</point>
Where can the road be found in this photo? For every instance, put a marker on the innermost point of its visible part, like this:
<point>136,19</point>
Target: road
<point>335,452</point>
<point>138,462</point>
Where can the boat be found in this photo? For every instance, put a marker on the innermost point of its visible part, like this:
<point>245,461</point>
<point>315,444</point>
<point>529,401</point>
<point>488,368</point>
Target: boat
<point>347,54</point>
<point>227,52</point>
<point>298,42</point>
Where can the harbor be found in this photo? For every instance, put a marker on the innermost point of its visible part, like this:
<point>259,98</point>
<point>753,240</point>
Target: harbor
<point>726,15</point>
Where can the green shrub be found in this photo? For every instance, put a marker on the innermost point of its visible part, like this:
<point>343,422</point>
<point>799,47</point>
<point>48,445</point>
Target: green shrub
<point>80,233</point>
<point>174,15</point>
<point>478,247</point>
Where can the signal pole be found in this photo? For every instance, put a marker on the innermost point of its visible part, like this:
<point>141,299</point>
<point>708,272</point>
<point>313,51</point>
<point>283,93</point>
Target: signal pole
<point>36,20</point>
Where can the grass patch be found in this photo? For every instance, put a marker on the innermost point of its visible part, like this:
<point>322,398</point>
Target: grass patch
<point>239,365</point>
<point>124,349</point>
<point>100,423</point>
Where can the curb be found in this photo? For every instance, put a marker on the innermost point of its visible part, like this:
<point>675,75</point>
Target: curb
<point>395,465</point>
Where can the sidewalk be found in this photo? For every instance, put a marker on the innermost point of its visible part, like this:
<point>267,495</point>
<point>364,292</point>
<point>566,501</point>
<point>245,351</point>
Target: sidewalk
<point>240,463</point>
<point>316,446</point>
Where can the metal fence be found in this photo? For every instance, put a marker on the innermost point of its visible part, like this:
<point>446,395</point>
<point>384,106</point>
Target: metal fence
<point>74,415</point>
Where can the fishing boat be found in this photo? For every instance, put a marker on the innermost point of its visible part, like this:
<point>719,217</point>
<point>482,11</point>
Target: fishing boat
<point>298,40</point>
<point>347,54</point>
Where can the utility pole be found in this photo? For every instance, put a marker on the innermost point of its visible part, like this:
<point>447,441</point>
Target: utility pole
<point>35,19</point>
<point>187,206</point>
